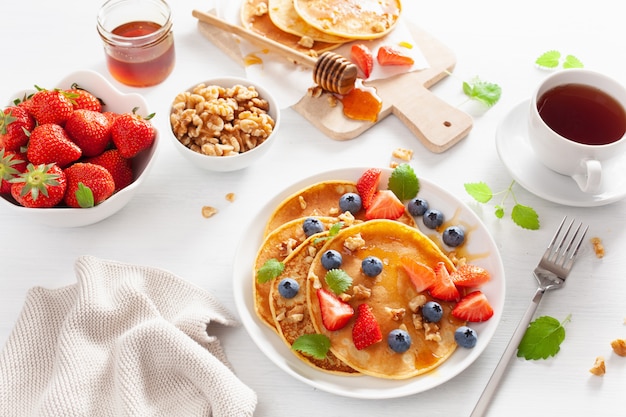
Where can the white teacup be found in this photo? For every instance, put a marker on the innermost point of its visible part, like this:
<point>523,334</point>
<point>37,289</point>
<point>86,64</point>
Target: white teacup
<point>592,129</point>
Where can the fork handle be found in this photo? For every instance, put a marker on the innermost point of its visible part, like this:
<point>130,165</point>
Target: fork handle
<point>498,373</point>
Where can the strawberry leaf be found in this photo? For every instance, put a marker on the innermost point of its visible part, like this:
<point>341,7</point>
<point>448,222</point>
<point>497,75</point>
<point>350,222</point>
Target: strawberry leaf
<point>403,182</point>
<point>542,339</point>
<point>84,196</point>
<point>269,270</point>
<point>338,280</point>
<point>315,345</point>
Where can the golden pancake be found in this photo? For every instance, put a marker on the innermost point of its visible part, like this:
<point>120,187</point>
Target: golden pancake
<point>352,19</point>
<point>291,315</point>
<point>255,17</point>
<point>278,245</point>
<point>320,199</point>
<point>392,297</point>
<point>284,16</point>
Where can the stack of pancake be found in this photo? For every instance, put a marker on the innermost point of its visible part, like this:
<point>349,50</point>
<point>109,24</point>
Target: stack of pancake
<point>387,295</point>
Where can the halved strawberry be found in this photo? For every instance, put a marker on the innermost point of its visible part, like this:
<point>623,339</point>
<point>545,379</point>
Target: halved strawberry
<point>362,57</point>
<point>385,205</point>
<point>422,276</point>
<point>366,330</point>
<point>468,275</point>
<point>388,55</point>
<point>335,313</point>
<point>443,288</point>
<point>367,185</point>
<point>473,307</point>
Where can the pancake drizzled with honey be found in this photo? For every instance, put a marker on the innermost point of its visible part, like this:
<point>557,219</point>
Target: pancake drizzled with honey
<point>283,14</point>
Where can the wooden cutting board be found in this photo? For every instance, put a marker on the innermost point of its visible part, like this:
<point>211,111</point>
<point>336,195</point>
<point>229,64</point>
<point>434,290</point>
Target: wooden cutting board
<point>434,122</point>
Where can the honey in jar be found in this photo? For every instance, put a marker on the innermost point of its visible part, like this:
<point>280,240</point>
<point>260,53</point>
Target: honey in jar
<point>138,40</point>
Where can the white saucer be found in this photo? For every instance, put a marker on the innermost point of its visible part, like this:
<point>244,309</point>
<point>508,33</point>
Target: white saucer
<point>516,154</point>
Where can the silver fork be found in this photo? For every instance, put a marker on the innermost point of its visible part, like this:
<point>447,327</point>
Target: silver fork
<point>551,272</point>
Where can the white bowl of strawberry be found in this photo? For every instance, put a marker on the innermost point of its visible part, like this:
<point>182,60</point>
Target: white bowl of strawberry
<point>74,154</point>
<point>224,124</point>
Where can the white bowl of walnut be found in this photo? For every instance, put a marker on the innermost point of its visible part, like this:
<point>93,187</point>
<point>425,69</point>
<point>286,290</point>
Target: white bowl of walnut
<point>224,124</point>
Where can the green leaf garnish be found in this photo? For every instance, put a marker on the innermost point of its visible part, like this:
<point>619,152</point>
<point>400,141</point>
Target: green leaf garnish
<point>269,270</point>
<point>403,182</point>
<point>338,280</point>
<point>315,345</point>
<point>479,191</point>
<point>552,59</point>
<point>542,339</point>
<point>484,92</point>
<point>334,229</point>
<point>84,196</point>
<point>572,62</point>
<point>523,216</point>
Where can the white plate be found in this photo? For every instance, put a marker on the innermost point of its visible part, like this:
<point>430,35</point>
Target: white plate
<point>479,243</point>
<point>516,154</point>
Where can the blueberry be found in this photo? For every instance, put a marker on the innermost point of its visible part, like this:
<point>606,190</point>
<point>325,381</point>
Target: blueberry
<point>399,340</point>
<point>288,287</point>
<point>432,218</point>
<point>453,236</point>
<point>432,311</point>
<point>417,207</point>
<point>465,337</point>
<point>350,202</point>
<point>331,259</point>
<point>312,226</point>
<point>372,266</point>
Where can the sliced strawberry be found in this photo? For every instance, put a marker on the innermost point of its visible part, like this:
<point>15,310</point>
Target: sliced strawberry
<point>385,205</point>
<point>367,185</point>
<point>388,55</point>
<point>473,307</point>
<point>366,330</point>
<point>422,276</point>
<point>468,275</point>
<point>443,288</point>
<point>362,57</point>
<point>335,313</point>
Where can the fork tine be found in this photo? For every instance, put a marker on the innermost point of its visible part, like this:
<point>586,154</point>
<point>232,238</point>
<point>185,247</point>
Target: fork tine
<point>565,252</point>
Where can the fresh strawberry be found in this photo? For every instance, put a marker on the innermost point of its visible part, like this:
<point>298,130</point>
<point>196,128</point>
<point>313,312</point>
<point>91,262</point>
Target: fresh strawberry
<point>15,127</point>
<point>119,167</point>
<point>422,276</point>
<point>366,330</point>
<point>468,275</point>
<point>443,288</point>
<point>367,185</point>
<point>385,205</point>
<point>50,143</point>
<point>11,165</point>
<point>111,116</point>
<point>362,57</point>
<point>473,307</point>
<point>83,99</point>
<point>39,186</point>
<point>335,313</point>
<point>90,130</point>
<point>388,55</point>
<point>87,185</point>
<point>132,133</point>
<point>51,106</point>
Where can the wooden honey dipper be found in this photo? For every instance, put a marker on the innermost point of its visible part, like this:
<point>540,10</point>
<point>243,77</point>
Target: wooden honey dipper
<point>331,71</point>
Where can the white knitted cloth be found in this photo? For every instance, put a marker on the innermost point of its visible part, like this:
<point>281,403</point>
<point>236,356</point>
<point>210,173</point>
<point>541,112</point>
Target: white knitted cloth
<point>124,340</point>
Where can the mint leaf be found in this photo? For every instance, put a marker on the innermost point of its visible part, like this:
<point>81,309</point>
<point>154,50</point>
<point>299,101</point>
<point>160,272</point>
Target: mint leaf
<point>542,339</point>
<point>549,59</point>
<point>479,191</point>
<point>269,270</point>
<point>403,182</point>
<point>487,93</point>
<point>315,345</point>
<point>334,229</point>
<point>572,62</point>
<point>499,211</point>
<point>338,280</point>
<point>525,217</point>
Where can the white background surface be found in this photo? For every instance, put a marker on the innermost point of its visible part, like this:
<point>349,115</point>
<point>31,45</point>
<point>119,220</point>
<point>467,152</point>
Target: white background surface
<point>42,41</point>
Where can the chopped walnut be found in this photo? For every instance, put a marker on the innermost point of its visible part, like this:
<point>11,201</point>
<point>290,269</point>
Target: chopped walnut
<point>431,332</point>
<point>230,197</point>
<point>345,297</point>
<point>302,202</point>
<point>418,323</point>
<point>306,42</point>
<point>315,91</point>
<point>208,211</point>
<point>619,346</point>
<point>403,154</point>
<point>396,314</point>
<point>598,247</point>
<point>316,281</point>
<point>417,302</point>
<point>599,367</point>
<point>347,218</point>
<point>354,242</point>
<point>361,292</point>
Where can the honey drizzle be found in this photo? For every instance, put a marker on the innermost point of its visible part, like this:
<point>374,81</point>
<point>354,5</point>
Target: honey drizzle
<point>361,103</point>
